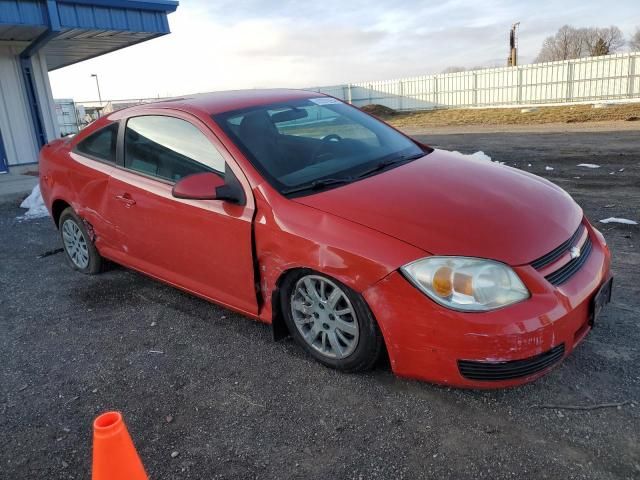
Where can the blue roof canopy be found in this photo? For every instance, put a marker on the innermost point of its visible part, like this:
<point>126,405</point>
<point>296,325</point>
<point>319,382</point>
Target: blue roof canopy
<point>70,31</point>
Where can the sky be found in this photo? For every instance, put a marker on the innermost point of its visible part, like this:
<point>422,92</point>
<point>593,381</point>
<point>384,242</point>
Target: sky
<point>236,44</point>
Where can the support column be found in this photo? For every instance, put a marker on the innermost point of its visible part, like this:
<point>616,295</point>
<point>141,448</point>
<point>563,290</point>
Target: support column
<point>32,97</point>
<point>4,162</point>
<point>26,65</point>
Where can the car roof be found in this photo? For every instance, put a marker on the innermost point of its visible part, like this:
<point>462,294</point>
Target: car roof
<point>219,102</point>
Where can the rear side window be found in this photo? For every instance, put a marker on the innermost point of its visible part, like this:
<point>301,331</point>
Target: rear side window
<point>169,148</point>
<point>101,144</point>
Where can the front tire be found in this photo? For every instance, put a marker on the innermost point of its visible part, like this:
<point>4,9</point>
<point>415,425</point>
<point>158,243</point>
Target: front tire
<point>81,253</point>
<point>330,321</point>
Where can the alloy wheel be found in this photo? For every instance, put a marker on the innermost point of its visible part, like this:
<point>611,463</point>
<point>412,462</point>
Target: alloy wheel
<point>324,316</point>
<point>75,244</point>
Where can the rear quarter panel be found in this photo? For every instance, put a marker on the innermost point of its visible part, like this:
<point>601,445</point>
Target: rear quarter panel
<point>78,181</point>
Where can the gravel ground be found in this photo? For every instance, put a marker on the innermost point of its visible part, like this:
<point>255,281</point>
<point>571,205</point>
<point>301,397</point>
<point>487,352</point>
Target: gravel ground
<point>196,379</point>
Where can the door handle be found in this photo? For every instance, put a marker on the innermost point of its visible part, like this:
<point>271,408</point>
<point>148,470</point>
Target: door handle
<point>126,199</point>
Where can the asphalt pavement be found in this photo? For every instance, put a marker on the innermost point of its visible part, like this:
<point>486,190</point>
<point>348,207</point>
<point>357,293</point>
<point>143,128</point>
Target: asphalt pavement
<point>211,385</point>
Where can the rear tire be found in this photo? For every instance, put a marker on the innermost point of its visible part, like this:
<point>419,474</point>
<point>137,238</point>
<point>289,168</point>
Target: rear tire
<point>81,253</point>
<point>330,321</point>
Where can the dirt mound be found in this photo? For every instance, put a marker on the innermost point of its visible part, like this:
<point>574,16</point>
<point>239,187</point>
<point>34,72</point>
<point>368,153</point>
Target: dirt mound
<point>514,116</point>
<point>378,110</point>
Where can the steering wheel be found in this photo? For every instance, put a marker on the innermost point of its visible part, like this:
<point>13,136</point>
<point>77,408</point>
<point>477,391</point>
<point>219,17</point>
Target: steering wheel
<point>332,138</point>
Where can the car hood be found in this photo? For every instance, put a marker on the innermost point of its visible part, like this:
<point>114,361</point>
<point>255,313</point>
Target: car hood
<point>447,203</point>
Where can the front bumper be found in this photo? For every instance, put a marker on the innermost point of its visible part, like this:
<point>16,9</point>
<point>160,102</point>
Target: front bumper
<point>427,341</point>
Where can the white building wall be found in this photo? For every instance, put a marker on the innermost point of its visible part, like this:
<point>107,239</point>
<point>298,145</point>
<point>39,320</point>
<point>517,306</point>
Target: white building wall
<point>17,129</point>
<point>15,122</point>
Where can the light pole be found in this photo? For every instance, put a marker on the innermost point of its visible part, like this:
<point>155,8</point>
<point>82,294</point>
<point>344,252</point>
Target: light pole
<point>99,96</point>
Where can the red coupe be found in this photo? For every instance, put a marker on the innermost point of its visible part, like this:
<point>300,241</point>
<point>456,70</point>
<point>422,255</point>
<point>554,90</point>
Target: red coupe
<point>306,213</point>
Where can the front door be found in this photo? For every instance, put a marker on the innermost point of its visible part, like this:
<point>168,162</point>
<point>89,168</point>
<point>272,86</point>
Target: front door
<point>203,246</point>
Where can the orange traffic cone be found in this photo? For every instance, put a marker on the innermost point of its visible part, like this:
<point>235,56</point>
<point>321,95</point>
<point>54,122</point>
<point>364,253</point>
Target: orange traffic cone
<point>114,456</point>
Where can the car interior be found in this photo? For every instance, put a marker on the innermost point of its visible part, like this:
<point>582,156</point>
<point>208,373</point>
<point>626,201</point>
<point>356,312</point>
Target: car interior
<point>291,150</point>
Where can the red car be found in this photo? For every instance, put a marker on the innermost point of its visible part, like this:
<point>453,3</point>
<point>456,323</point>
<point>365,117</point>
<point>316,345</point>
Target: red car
<point>305,213</point>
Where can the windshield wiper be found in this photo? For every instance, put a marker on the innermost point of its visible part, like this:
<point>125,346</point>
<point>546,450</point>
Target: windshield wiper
<point>388,162</point>
<point>317,184</point>
<point>327,182</point>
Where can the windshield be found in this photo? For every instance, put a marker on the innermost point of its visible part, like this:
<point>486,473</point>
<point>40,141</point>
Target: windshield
<point>304,145</point>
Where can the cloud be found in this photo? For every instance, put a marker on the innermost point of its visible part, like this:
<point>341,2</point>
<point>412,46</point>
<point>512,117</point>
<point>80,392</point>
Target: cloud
<point>231,44</point>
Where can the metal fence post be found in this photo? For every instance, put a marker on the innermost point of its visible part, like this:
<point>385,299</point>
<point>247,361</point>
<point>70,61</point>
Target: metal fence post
<point>401,92</point>
<point>435,91</point>
<point>349,98</point>
<point>475,89</point>
<point>569,93</point>
<point>519,86</point>
<point>631,74</point>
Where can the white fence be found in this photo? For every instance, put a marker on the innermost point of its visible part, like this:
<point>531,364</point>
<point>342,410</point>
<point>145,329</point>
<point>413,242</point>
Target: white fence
<point>610,77</point>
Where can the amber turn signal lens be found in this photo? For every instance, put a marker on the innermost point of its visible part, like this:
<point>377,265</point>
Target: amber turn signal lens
<point>463,283</point>
<point>442,282</point>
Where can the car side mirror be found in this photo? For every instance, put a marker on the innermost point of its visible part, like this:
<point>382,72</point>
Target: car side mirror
<point>200,186</point>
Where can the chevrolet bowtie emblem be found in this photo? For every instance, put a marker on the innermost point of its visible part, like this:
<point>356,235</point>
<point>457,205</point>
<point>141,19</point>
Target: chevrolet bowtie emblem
<point>574,252</point>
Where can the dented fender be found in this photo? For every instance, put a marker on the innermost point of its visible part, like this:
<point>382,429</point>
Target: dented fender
<point>298,236</point>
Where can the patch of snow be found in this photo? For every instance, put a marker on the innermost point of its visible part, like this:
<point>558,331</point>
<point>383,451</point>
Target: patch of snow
<point>528,164</point>
<point>588,165</point>
<point>548,168</point>
<point>480,155</point>
<point>476,156</point>
<point>626,221</point>
<point>35,205</point>
<point>621,170</point>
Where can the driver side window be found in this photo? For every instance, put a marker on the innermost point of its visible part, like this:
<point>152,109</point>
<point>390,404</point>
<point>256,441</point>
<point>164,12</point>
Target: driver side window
<point>169,148</point>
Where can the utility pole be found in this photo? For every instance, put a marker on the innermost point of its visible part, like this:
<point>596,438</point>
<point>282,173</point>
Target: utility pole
<point>99,96</point>
<point>512,61</point>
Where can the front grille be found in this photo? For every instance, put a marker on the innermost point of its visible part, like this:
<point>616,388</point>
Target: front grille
<point>565,272</point>
<point>556,253</point>
<point>494,371</point>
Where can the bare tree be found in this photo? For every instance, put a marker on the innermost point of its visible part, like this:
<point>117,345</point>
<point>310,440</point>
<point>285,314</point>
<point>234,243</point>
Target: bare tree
<point>565,44</point>
<point>602,41</point>
<point>634,43</point>
<point>570,42</point>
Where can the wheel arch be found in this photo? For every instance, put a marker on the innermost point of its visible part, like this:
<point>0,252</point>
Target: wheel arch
<point>57,207</point>
<point>279,326</point>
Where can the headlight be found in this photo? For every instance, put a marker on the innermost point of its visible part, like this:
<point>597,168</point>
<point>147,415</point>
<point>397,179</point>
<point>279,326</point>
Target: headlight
<point>468,284</point>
